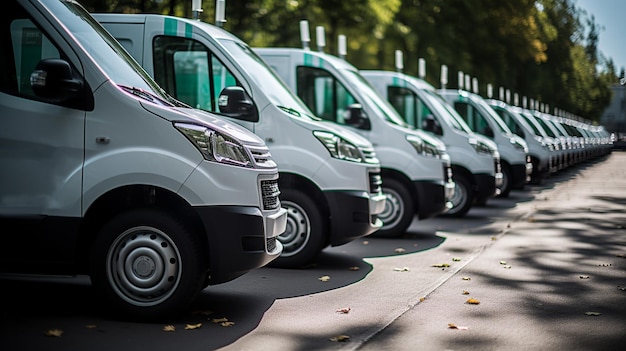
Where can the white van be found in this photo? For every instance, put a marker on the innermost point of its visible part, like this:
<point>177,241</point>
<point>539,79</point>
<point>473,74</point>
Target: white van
<point>539,149</point>
<point>104,174</point>
<point>475,159</point>
<point>514,158</point>
<point>417,178</point>
<point>330,177</point>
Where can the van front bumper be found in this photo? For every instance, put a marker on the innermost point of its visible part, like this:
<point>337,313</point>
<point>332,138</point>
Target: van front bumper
<point>353,214</point>
<point>240,239</point>
<point>431,198</point>
<point>485,186</point>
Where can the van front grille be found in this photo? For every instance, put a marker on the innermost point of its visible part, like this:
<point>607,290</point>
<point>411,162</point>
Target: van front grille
<point>269,193</point>
<point>376,182</point>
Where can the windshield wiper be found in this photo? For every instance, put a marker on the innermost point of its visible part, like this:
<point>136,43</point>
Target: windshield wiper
<point>293,111</point>
<point>149,96</point>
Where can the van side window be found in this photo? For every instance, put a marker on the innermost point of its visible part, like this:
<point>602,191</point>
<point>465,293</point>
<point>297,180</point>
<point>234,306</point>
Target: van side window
<point>323,94</point>
<point>187,69</point>
<point>22,46</point>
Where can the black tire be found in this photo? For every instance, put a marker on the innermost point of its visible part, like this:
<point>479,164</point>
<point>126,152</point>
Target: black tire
<point>463,198</point>
<point>305,236</point>
<point>399,210</point>
<point>507,181</point>
<point>147,265</point>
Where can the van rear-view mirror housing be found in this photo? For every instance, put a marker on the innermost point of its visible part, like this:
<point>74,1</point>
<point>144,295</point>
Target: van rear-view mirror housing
<point>236,103</point>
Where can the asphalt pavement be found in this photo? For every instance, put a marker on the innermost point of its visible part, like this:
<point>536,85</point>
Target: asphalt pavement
<point>550,275</point>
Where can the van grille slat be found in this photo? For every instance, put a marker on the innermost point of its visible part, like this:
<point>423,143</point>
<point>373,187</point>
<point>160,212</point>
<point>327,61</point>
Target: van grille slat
<point>269,193</point>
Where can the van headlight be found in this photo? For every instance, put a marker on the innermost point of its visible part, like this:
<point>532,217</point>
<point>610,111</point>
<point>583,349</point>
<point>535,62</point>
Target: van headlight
<point>423,147</point>
<point>519,145</point>
<point>338,147</point>
<point>480,147</point>
<point>216,146</point>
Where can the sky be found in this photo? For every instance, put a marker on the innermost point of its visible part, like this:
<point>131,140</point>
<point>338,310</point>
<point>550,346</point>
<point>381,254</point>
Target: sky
<point>611,16</point>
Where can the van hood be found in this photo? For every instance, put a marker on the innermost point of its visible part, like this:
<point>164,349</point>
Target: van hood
<point>200,117</point>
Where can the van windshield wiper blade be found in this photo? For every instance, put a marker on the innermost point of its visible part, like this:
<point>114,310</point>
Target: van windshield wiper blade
<point>145,94</point>
<point>293,111</point>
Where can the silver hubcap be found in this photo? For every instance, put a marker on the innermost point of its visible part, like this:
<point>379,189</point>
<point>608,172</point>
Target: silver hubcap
<point>298,231</point>
<point>144,266</point>
<point>394,209</point>
<point>459,198</point>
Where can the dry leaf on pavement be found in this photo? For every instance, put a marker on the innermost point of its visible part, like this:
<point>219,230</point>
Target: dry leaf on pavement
<point>454,326</point>
<point>400,250</point>
<point>340,338</point>
<point>344,310</point>
<point>169,328</point>
<point>440,265</point>
<point>593,313</point>
<point>54,333</point>
<point>193,326</point>
<point>403,269</point>
<point>472,301</point>
<point>324,278</point>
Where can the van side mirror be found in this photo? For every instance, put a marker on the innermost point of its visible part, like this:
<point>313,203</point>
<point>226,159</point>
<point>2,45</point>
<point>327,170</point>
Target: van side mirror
<point>355,117</point>
<point>236,103</point>
<point>52,79</point>
<point>430,124</point>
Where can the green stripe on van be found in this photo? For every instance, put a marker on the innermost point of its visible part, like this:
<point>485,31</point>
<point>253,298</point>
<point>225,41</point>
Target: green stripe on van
<point>169,26</point>
<point>308,59</point>
<point>188,30</point>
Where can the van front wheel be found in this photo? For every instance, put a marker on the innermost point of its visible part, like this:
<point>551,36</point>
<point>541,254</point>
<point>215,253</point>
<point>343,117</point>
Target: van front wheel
<point>399,210</point>
<point>305,235</point>
<point>147,264</point>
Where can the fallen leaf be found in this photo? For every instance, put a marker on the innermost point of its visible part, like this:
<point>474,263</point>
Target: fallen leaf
<point>422,299</point>
<point>503,262</point>
<point>454,326</point>
<point>583,276</point>
<point>193,326</point>
<point>472,301</point>
<point>344,310</point>
<point>365,242</point>
<point>465,292</point>
<point>90,326</point>
<point>456,259</point>
<point>441,265</point>
<point>467,278</point>
<point>169,328</point>
<point>493,238</point>
<point>324,278</point>
<point>227,324</point>
<point>354,268</point>
<point>531,219</point>
<point>508,266</point>
<point>593,313</point>
<point>340,338</point>
<point>54,333</point>
<point>220,320</point>
<point>400,250</point>
<point>403,269</point>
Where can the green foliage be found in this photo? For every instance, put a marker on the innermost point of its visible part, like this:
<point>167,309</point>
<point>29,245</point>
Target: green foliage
<point>542,49</point>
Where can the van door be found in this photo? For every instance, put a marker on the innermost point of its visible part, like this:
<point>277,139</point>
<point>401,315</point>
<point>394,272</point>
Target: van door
<point>41,148</point>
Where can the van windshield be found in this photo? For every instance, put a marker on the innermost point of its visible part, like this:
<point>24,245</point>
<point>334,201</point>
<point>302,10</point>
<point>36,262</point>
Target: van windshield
<point>487,110</point>
<point>447,112</point>
<point>267,80</point>
<point>106,52</point>
<point>372,98</point>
